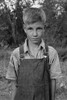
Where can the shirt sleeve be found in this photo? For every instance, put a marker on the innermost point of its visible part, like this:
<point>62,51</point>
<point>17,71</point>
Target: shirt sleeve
<point>13,66</point>
<point>55,65</point>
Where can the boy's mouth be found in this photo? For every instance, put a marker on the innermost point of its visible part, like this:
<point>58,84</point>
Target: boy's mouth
<point>35,39</point>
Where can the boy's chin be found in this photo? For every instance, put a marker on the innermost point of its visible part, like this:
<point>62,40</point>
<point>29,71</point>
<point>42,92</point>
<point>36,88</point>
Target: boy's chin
<point>36,42</point>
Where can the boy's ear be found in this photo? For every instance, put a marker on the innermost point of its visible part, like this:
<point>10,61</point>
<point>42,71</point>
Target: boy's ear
<point>24,27</point>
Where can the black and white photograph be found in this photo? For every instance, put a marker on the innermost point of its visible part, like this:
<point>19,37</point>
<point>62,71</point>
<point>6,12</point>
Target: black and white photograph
<point>33,49</point>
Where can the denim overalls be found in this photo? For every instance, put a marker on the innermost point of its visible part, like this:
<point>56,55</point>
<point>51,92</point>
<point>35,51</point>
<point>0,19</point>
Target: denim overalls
<point>33,82</point>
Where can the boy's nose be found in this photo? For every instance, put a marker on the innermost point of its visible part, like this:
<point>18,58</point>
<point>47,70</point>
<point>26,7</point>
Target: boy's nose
<point>35,33</point>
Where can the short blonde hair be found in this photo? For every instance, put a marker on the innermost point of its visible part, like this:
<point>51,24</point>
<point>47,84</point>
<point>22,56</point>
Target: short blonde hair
<point>32,15</point>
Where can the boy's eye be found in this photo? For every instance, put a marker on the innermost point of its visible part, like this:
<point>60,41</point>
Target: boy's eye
<point>39,28</point>
<point>30,28</point>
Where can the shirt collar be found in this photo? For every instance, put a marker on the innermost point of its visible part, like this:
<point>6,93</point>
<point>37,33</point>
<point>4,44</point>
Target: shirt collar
<point>41,46</point>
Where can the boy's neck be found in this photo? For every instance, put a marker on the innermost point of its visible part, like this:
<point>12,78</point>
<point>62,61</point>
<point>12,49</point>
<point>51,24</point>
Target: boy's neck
<point>33,48</point>
<point>32,45</point>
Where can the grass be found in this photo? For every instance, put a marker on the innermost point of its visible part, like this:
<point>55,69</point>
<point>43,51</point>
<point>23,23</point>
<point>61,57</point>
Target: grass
<point>4,59</point>
<point>5,89</point>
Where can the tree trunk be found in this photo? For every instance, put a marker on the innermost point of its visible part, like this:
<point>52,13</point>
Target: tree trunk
<point>14,32</point>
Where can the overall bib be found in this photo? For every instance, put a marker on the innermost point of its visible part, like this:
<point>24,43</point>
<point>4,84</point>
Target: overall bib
<point>33,81</point>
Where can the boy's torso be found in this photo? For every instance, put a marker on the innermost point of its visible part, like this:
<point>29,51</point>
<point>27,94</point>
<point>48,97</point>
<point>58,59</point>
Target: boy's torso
<point>33,79</point>
<point>15,61</point>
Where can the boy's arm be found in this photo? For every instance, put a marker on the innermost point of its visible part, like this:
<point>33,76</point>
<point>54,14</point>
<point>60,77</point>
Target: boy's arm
<point>12,86</point>
<point>11,75</point>
<point>55,70</point>
<point>13,92</point>
<point>53,89</point>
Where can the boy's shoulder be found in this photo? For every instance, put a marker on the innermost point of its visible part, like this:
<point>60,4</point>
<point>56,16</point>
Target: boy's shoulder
<point>16,50</point>
<point>52,49</point>
<point>15,53</point>
<point>52,52</point>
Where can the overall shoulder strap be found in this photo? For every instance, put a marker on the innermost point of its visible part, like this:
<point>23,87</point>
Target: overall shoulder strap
<point>21,51</point>
<point>47,52</point>
<point>46,48</point>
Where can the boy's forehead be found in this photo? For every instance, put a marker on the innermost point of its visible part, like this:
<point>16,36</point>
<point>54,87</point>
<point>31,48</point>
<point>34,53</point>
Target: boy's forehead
<point>36,24</point>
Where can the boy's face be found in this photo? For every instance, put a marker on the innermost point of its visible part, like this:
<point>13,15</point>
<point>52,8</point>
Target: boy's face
<point>34,32</point>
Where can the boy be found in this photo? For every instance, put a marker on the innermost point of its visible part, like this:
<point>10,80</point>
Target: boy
<point>29,67</point>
